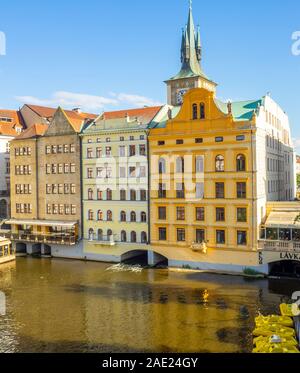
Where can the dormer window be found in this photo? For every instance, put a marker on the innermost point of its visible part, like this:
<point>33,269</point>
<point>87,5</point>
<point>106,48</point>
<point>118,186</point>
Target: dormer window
<point>202,110</point>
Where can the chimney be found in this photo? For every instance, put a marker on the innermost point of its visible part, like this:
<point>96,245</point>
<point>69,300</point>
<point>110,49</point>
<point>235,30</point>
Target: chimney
<point>77,110</point>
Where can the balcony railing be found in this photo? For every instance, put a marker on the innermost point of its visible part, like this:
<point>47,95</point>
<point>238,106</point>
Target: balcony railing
<point>54,238</point>
<point>277,246</point>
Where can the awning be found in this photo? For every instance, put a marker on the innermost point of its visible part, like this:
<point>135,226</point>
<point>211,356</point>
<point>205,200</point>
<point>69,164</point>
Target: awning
<point>283,219</point>
<point>43,223</point>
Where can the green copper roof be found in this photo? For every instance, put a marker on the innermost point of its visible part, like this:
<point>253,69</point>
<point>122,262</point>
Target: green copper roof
<point>163,121</point>
<point>191,52</point>
<point>242,110</point>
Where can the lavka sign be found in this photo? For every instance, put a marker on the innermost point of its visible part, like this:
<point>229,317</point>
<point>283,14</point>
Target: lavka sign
<point>290,256</point>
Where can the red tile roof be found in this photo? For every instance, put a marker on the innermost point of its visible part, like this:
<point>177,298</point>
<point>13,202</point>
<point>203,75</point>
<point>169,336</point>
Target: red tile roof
<point>10,128</point>
<point>34,131</point>
<point>144,115</point>
<point>76,118</point>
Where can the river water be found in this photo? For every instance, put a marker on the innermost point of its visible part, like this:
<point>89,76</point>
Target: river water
<point>72,306</point>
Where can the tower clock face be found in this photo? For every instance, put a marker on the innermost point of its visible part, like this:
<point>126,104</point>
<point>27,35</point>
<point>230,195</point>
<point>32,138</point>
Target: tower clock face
<point>179,95</point>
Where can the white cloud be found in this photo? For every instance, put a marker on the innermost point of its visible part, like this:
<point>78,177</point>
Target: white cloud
<point>87,102</point>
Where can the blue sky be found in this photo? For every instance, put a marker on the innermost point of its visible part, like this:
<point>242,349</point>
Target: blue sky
<point>117,53</point>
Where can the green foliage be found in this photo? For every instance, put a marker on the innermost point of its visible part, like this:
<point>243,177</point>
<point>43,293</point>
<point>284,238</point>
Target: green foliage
<point>251,272</point>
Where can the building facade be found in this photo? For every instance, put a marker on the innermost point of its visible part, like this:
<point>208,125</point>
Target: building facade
<point>46,175</point>
<point>214,166</point>
<point>115,183</point>
<point>11,125</point>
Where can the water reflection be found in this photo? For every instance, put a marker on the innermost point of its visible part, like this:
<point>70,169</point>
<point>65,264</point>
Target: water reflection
<point>71,306</point>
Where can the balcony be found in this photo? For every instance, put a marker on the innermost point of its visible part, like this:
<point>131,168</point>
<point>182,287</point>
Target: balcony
<point>54,238</point>
<point>279,246</point>
<point>102,241</point>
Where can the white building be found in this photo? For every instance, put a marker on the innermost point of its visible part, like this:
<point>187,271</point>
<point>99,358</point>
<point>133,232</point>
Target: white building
<point>10,126</point>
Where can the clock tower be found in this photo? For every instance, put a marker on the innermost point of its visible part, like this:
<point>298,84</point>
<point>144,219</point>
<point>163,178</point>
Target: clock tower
<point>191,74</point>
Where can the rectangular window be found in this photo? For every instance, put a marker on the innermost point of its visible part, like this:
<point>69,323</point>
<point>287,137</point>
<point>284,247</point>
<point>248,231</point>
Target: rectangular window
<point>132,151</point>
<point>162,213</point>
<point>122,151</point>
<point>132,171</point>
<point>241,213</point>
<point>240,138</point>
<point>179,142</point>
<point>199,164</point>
<point>89,153</point>
<point>67,209</point>
<point>61,209</point>
<point>142,150</point>
<point>220,237</point>
<point>180,235</point>
<point>241,190</point>
<point>54,149</point>
<point>122,172</point>
<point>99,152</point>
<point>72,148</point>
<point>59,149</point>
<point>161,143</point>
<point>60,188</point>
<point>48,209</point>
<point>72,168</point>
<point>48,149</point>
<point>73,209</point>
<point>180,212</point>
<point>108,151</point>
<point>220,214</point>
<point>199,141</point>
<point>142,171</point>
<point>200,213</point>
<point>180,191</point>
<point>90,173</point>
<point>66,149</point>
<point>219,139</point>
<point>73,189</point>
<point>67,188</point>
<point>66,168</point>
<point>60,168</point>
<point>200,190</point>
<point>242,238</point>
<point>220,190</point>
<point>143,194</point>
<point>162,232</point>
<point>162,193</point>
<point>200,235</point>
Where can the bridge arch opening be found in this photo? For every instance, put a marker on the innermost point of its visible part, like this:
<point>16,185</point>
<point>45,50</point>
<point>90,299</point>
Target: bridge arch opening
<point>285,268</point>
<point>21,248</point>
<point>135,257</point>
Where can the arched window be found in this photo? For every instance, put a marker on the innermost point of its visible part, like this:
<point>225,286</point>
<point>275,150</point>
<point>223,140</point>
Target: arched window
<point>133,237</point>
<point>144,237</point>
<point>109,233</point>
<point>99,195</point>
<point>109,215</point>
<point>123,236</point>
<point>108,194</point>
<point>241,163</point>
<point>100,235</point>
<point>90,194</point>
<point>91,215</point>
<point>143,217</point>
<point>123,195</point>
<point>133,195</point>
<point>202,110</point>
<point>220,163</point>
<point>180,165</point>
<point>100,215</point>
<point>123,216</point>
<point>91,234</point>
<point>162,166</point>
<point>195,112</point>
<point>132,216</point>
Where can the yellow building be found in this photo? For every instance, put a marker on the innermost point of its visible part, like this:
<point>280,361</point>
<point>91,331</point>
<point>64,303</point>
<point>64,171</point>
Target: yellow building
<point>115,184</point>
<point>213,167</point>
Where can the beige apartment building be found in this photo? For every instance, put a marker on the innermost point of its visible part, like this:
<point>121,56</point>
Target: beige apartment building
<point>46,196</point>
